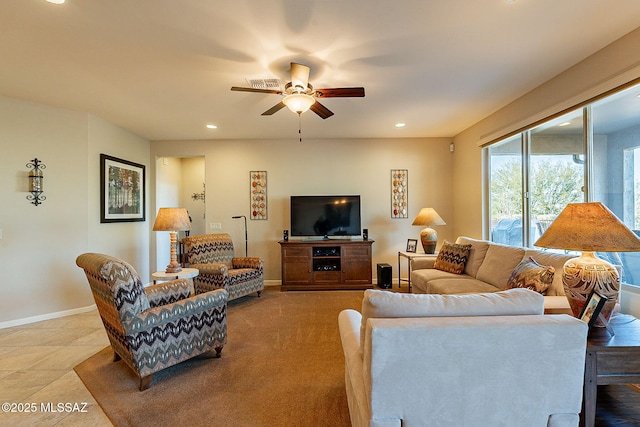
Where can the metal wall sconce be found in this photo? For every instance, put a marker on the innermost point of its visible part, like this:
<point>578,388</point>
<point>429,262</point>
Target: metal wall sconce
<point>198,196</point>
<point>36,182</point>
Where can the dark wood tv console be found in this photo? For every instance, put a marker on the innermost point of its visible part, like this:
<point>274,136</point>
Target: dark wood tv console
<point>326,264</point>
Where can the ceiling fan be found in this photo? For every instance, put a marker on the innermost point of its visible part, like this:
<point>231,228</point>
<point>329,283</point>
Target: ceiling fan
<point>299,96</point>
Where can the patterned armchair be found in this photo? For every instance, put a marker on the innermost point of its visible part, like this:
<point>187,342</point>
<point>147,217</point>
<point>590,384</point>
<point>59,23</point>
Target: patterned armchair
<point>213,256</point>
<point>155,327</point>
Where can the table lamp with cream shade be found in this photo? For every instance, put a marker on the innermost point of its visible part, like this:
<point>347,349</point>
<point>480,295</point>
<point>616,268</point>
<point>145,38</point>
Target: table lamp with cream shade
<point>172,220</point>
<point>428,217</point>
<point>589,227</point>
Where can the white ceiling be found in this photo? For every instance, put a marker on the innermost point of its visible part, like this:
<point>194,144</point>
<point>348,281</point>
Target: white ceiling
<point>163,68</point>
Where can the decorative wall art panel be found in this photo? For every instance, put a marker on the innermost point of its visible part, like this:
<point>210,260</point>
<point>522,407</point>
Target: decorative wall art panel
<point>399,193</point>
<point>258,190</point>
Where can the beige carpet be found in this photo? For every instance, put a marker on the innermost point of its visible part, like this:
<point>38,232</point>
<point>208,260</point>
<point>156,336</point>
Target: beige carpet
<point>282,366</point>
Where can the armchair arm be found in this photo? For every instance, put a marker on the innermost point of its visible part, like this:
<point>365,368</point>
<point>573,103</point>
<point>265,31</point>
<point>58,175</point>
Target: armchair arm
<point>168,292</point>
<point>248,262</point>
<point>158,317</point>
<point>215,268</point>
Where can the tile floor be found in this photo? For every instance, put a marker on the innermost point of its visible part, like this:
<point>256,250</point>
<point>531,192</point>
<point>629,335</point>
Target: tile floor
<point>36,372</point>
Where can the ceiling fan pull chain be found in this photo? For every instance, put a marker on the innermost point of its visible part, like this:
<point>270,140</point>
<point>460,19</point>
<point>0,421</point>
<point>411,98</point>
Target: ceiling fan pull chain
<point>300,126</point>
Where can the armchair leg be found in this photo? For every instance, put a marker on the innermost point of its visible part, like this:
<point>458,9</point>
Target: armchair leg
<point>259,293</point>
<point>219,351</point>
<point>145,382</point>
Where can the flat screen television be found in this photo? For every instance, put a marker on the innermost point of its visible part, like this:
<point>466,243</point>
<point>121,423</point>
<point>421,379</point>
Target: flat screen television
<point>325,216</point>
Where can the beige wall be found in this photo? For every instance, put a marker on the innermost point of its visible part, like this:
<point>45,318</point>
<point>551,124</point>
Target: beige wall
<point>323,166</point>
<point>39,244</point>
<point>609,68</point>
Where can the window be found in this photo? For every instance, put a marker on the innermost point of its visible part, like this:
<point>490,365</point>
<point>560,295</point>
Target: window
<point>556,170</point>
<point>535,174</point>
<point>616,166</point>
<point>505,166</point>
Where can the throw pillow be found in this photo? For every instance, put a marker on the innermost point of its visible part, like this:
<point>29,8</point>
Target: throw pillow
<point>531,275</point>
<point>452,257</point>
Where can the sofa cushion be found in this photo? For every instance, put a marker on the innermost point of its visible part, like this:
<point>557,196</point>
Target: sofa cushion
<point>452,257</point>
<point>420,279</point>
<point>453,286</point>
<point>476,254</point>
<point>393,305</point>
<point>554,260</point>
<point>499,263</point>
<point>531,275</point>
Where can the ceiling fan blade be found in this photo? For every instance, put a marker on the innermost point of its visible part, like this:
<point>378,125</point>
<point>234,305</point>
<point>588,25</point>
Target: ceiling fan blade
<point>274,109</point>
<point>321,110</point>
<point>299,75</point>
<point>340,92</point>
<point>250,89</point>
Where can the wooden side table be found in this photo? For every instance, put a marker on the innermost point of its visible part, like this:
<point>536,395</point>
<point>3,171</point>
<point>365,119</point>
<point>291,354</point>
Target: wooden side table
<point>409,256</point>
<point>610,360</point>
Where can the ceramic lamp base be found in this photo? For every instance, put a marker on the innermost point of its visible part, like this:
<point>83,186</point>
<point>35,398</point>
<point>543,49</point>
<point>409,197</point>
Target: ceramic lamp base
<point>580,276</point>
<point>429,240</point>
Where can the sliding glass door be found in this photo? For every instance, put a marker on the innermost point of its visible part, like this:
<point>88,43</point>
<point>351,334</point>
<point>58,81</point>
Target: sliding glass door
<point>590,154</point>
<point>506,202</point>
<point>556,170</point>
<point>616,165</point>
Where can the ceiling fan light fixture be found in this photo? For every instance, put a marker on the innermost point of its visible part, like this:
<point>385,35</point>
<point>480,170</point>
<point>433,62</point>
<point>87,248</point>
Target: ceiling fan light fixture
<point>298,102</point>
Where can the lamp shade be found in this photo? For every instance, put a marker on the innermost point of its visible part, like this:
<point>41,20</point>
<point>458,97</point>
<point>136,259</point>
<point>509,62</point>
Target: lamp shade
<point>428,217</point>
<point>172,219</point>
<point>589,227</point>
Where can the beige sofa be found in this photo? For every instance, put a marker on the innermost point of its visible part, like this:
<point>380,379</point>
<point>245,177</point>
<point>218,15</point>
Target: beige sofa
<point>488,270</point>
<point>486,359</point>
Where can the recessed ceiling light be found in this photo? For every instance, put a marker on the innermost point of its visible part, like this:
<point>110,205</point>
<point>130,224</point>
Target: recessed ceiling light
<point>56,1</point>
<point>400,125</point>
<point>212,127</point>
<point>564,124</point>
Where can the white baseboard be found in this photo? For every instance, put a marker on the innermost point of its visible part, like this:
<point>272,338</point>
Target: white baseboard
<point>48,316</point>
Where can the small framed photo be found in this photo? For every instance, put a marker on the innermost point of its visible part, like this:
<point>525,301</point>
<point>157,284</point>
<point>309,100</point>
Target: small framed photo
<point>592,308</point>
<point>412,244</point>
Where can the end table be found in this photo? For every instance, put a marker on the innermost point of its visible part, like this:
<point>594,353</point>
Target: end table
<point>409,256</point>
<point>185,273</point>
<point>610,360</point>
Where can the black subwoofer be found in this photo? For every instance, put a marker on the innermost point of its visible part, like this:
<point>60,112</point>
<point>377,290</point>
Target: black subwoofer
<point>384,276</point>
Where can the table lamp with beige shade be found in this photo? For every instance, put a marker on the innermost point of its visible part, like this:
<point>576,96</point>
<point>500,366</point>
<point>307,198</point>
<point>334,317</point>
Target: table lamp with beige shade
<point>172,220</point>
<point>589,227</point>
<point>428,217</point>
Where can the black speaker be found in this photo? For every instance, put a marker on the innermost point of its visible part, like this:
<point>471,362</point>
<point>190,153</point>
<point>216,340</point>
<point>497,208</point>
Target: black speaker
<point>365,233</point>
<point>285,235</point>
<point>385,273</point>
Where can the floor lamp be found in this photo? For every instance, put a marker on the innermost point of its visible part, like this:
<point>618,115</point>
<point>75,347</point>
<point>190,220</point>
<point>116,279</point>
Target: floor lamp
<point>246,237</point>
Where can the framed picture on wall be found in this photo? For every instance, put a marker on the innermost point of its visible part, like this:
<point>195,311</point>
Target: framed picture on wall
<point>122,196</point>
